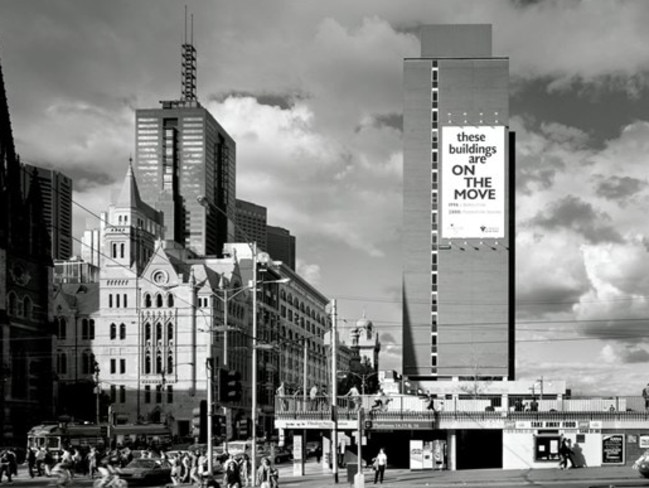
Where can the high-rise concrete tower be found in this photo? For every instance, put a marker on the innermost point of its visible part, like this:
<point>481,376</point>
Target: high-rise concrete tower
<point>56,193</point>
<point>183,154</point>
<point>458,229</point>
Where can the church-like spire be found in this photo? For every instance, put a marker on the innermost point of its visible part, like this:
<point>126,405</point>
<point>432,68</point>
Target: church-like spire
<point>129,196</point>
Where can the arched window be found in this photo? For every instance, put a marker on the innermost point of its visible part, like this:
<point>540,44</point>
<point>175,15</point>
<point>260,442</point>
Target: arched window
<point>62,363</point>
<point>121,250</point>
<point>113,331</point>
<point>85,331</point>
<point>11,305</point>
<point>170,331</point>
<point>158,300</point>
<point>117,300</point>
<point>27,308</point>
<point>110,300</point>
<point>125,300</point>
<point>87,362</point>
<point>170,300</point>
<point>122,331</point>
<point>147,331</point>
<point>63,329</point>
<point>147,300</point>
<point>114,246</point>
<point>147,364</point>
<point>170,364</point>
<point>158,364</point>
<point>92,329</point>
<point>158,331</point>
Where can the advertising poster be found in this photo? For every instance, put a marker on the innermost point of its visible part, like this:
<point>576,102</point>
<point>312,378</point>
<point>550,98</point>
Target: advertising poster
<point>473,182</point>
<point>643,442</point>
<point>613,449</point>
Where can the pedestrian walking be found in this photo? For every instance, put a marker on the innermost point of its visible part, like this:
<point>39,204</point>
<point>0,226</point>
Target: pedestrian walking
<point>281,394</point>
<point>355,397</point>
<point>31,462</point>
<point>244,468</point>
<point>380,463</point>
<point>5,467</point>
<point>565,453</point>
<point>263,474</point>
<point>645,395</point>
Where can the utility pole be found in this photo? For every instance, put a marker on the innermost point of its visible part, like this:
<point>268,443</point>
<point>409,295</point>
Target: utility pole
<point>334,387</point>
<point>254,365</point>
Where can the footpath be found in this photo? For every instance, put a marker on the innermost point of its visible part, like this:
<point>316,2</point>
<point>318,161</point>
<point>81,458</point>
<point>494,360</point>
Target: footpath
<point>604,477</point>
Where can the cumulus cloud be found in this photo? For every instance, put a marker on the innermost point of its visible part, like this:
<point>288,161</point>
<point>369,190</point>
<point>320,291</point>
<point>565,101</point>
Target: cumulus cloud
<point>310,272</point>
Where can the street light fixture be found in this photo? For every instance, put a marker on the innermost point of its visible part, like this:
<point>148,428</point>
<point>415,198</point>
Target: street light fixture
<point>361,376</point>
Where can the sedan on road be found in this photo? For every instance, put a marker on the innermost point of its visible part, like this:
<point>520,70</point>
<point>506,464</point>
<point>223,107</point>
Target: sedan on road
<point>146,472</point>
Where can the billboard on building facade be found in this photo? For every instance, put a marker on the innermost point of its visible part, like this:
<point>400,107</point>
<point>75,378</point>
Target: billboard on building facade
<point>473,182</point>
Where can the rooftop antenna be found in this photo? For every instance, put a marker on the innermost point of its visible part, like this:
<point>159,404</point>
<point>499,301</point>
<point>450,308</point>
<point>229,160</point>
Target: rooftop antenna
<point>188,73</point>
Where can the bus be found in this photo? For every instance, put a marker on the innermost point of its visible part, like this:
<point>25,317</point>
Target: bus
<point>56,436</point>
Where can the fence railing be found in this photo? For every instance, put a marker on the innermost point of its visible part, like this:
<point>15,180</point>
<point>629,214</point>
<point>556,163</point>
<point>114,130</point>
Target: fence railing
<point>498,405</point>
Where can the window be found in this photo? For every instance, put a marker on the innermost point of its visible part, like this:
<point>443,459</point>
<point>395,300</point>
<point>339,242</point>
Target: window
<point>158,300</point>
<point>170,364</point>
<point>11,306</point>
<point>113,367</point>
<point>170,332</point>
<point>122,366</point>
<point>546,447</point>
<point>170,394</point>
<point>147,300</point>
<point>158,393</point>
<point>113,393</point>
<point>113,331</point>
<point>91,335</point>
<point>63,328</point>
<point>27,308</point>
<point>147,331</point>
<point>114,248</point>
<point>122,394</point>
<point>147,393</point>
<point>158,364</point>
<point>121,250</point>
<point>170,300</point>
<point>125,300</point>
<point>117,300</point>
<point>122,331</point>
<point>110,300</point>
<point>147,364</point>
<point>62,363</point>
<point>87,362</point>
<point>85,330</point>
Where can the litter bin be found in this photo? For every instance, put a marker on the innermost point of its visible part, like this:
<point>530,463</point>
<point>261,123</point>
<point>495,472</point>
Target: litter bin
<point>352,469</point>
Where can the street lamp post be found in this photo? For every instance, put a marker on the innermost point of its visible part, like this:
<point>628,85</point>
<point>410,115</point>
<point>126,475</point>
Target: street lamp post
<point>253,414</point>
<point>362,377</point>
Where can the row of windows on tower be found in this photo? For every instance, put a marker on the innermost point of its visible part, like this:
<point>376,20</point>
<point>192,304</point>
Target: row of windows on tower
<point>434,207</point>
<point>87,329</point>
<point>160,366</point>
<point>158,332</point>
<point>87,363</point>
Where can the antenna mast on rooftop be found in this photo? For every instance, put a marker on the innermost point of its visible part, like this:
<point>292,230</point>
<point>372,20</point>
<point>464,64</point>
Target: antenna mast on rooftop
<point>188,73</point>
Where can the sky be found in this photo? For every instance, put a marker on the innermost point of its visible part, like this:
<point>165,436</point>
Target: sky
<point>312,93</point>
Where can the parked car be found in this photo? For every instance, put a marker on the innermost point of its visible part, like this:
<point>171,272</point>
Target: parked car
<point>311,448</point>
<point>146,472</point>
<point>282,455</point>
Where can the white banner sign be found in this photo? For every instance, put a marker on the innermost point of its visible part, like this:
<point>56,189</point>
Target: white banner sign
<point>473,182</point>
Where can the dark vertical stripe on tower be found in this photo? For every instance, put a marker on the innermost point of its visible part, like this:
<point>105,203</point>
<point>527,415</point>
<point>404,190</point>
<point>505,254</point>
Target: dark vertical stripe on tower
<point>512,256</point>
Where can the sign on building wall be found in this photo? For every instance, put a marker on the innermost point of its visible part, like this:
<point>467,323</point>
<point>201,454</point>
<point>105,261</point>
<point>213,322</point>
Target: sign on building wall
<point>473,182</point>
<point>613,449</point>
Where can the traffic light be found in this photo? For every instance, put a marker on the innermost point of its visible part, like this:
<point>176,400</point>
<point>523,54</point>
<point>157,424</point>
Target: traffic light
<point>199,422</point>
<point>229,386</point>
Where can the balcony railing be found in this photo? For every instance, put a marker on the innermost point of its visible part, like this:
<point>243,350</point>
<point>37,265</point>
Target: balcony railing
<point>485,406</point>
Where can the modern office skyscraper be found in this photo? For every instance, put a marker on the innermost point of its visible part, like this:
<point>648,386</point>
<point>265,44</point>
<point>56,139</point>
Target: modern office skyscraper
<point>56,193</point>
<point>281,245</point>
<point>458,229</point>
<point>186,165</point>
<point>251,223</point>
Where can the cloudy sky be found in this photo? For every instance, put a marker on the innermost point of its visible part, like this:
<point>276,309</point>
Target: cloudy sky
<point>312,93</point>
